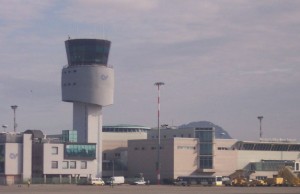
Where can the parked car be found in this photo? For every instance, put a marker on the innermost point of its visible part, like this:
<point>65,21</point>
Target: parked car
<point>97,181</point>
<point>139,182</point>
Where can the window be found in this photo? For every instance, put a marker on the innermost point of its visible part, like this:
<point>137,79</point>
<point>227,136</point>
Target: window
<point>186,148</point>
<point>80,151</point>
<point>73,164</point>
<point>104,156</point>
<point>206,162</point>
<point>117,155</point>
<point>81,52</point>
<point>54,164</point>
<point>206,149</point>
<point>65,165</point>
<point>83,165</point>
<point>54,150</point>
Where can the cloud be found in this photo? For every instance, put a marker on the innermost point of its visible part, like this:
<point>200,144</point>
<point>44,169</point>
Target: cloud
<point>219,59</point>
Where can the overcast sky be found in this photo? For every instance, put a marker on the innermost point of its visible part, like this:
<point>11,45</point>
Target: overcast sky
<point>226,62</point>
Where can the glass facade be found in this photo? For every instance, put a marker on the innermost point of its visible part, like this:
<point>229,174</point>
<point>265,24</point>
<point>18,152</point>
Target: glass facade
<point>269,165</point>
<point>206,142</point>
<point>2,158</point>
<point>87,51</point>
<point>206,162</point>
<point>80,151</point>
<point>266,146</point>
<point>69,136</point>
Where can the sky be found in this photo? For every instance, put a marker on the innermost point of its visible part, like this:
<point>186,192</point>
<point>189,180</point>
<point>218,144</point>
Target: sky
<point>226,62</point>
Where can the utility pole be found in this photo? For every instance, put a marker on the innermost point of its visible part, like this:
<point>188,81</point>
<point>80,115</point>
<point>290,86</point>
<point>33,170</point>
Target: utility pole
<point>158,84</point>
<point>14,107</point>
<point>260,125</point>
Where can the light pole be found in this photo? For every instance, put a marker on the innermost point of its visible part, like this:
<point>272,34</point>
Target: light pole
<point>260,129</point>
<point>14,107</point>
<point>158,84</point>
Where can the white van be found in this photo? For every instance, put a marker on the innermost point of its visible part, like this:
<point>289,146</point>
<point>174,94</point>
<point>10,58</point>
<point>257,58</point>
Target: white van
<point>116,180</point>
<point>97,181</point>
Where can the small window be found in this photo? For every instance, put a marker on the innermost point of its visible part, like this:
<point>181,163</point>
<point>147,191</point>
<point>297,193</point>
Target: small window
<point>65,165</point>
<point>83,165</point>
<point>104,156</point>
<point>73,164</point>
<point>54,164</point>
<point>117,155</point>
<point>54,150</point>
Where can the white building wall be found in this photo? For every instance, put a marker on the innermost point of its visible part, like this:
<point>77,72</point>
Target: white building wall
<point>93,84</point>
<point>27,157</point>
<point>13,158</point>
<point>49,157</point>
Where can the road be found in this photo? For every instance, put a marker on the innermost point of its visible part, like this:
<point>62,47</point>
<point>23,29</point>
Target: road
<point>142,189</point>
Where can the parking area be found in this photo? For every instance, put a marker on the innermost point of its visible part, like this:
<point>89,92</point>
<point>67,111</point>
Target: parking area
<point>143,189</point>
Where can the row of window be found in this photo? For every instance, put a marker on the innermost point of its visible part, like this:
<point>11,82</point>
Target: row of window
<point>123,130</point>
<point>178,147</point>
<point>271,147</point>
<point>186,147</point>
<point>70,71</point>
<point>68,165</point>
<point>165,136</point>
<point>143,148</point>
<point>69,84</point>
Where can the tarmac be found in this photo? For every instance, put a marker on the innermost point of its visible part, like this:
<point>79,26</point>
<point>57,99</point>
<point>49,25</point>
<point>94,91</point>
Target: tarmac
<point>144,189</point>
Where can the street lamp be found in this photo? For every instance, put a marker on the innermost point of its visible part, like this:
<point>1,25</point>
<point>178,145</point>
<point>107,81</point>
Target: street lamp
<point>260,129</point>
<point>158,84</point>
<point>14,107</point>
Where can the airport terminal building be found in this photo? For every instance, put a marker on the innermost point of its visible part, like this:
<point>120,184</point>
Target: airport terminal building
<point>202,154</point>
<point>129,150</point>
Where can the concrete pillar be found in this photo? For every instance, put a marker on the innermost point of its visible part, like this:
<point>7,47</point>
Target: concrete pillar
<point>45,178</point>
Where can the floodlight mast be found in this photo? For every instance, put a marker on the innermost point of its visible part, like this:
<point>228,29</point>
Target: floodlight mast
<point>260,126</point>
<point>14,107</point>
<point>158,84</point>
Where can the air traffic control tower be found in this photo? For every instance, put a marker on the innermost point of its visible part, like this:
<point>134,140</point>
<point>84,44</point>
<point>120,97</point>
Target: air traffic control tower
<point>88,82</point>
